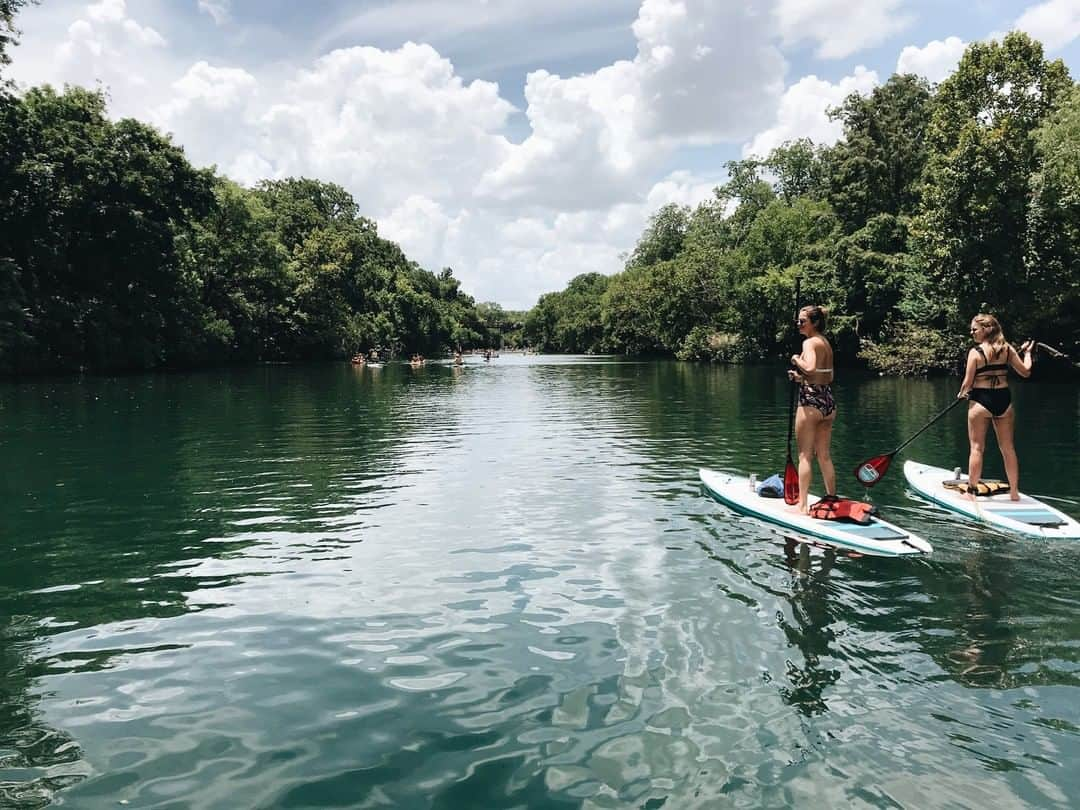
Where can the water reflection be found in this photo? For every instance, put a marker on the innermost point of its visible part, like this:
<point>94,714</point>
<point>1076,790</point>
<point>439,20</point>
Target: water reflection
<point>811,629</point>
<point>499,585</point>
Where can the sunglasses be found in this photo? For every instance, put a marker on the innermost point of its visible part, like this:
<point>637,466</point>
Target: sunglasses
<point>800,321</point>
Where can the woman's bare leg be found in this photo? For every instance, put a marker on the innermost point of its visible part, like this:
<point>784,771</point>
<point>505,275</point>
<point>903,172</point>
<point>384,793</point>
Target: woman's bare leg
<point>1004,428</point>
<point>807,421</point>
<point>823,451</point>
<point>979,420</point>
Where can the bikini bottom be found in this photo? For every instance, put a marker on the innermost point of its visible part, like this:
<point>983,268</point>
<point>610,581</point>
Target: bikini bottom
<point>817,396</point>
<point>995,400</point>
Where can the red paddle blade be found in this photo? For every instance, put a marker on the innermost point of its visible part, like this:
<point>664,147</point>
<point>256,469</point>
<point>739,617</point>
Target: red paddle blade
<point>873,470</point>
<point>791,484</point>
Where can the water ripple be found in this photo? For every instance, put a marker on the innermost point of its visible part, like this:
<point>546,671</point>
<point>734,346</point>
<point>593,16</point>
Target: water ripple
<point>500,586</point>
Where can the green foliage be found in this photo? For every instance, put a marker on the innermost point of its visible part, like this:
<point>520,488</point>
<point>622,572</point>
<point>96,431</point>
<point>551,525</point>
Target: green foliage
<point>115,253</point>
<point>88,236</point>
<point>8,34</point>
<point>877,167</point>
<point>704,343</point>
<point>801,169</point>
<point>663,238</point>
<point>569,321</point>
<point>937,203</point>
<point>972,227</point>
<point>912,350</point>
<point>1053,242</point>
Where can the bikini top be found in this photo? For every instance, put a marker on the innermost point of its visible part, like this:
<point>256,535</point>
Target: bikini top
<point>996,371</point>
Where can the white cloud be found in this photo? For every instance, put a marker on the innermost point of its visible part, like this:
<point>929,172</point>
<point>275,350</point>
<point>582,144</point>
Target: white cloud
<point>705,72</point>
<point>803,111</point>
<point>218,10</point>
<point>1055,23</point>
<point>428,154</point>
<point>839,27</point>
<point>513,258</point>
<point>935,61</point>
<point>103,44</point>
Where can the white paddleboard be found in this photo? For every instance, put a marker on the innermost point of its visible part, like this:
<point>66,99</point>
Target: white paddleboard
<point>879,538</point>
<point>1028,516</point>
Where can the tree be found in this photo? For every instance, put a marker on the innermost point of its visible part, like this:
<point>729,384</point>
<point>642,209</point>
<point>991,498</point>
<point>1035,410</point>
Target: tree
<point>973,222</point>
<point>9,36</point>
<point>663,238</point>
<point>1052,255</point>
<point>800,169</point>
<point>876,168</point>
<point>91,236</point>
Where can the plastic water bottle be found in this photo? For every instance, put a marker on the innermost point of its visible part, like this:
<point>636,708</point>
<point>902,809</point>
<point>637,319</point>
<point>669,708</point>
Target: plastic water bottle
<point>956,473</point>
<point>753,482</point>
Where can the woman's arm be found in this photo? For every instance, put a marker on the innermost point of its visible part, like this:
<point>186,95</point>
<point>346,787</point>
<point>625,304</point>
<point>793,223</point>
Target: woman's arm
<point>969,375</point>
<point>1022,365</point>
<point>807,362</point>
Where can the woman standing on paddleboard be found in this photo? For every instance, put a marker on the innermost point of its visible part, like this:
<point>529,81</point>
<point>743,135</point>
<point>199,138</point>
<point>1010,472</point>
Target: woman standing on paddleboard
<point>817,409</point>
<point>986,385</point>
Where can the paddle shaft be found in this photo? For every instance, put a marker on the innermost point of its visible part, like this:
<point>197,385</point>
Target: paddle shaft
<point>791,474</point>
<point>922,430</point>
<point>791,399</point>
<point>1057,353</point>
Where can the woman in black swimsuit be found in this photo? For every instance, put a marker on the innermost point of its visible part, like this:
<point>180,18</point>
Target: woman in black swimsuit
<point>817,409</point>
<point>986,385</point>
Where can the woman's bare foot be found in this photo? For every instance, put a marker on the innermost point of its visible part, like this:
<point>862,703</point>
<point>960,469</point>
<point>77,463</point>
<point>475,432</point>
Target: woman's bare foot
<point>1014,495</point>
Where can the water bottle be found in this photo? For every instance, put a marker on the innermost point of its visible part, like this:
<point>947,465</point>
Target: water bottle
<point>753,482</point>
<point>956,473</point>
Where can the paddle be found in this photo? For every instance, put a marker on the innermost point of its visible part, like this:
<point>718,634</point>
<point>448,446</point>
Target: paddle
<point>791,472</point>
<point>873,469</point>
<point>1057,353</point>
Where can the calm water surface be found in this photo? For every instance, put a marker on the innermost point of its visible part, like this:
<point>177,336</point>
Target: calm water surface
<point>501,586</point>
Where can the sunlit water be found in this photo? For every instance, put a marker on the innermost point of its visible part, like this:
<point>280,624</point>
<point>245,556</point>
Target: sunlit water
<point>501,586</point>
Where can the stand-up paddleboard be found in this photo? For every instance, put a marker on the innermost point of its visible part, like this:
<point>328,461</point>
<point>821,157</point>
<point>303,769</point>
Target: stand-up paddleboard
<point>1028,516</point>
<point>880,537</point>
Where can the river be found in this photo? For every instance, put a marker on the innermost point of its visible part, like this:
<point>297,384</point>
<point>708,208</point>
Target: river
<point>501,586</point>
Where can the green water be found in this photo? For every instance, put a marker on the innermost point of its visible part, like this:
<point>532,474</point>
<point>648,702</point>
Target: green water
<point>501,586</point>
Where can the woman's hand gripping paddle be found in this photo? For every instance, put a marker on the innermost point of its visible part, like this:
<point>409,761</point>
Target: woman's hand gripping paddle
<point>873,469</point>
<point>791,472</point>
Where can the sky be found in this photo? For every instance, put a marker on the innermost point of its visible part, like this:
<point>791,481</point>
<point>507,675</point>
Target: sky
<point>519,143</point>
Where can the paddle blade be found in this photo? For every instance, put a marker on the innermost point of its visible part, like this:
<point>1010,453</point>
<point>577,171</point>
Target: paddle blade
<point>873,470</point>
<point>791,483</point>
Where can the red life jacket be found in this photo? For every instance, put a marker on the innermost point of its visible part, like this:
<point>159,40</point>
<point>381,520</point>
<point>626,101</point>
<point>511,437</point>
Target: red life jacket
<point>832,508</point>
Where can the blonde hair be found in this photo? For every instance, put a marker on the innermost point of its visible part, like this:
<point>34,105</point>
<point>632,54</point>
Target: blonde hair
<point>817,316</point>
<point>997,336</point>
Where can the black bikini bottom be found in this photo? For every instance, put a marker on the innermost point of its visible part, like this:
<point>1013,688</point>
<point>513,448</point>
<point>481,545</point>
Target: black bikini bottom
<point>995,400</point>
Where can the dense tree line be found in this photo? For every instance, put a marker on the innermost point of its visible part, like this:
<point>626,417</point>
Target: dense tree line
<point>116,253</point>
<point>937,203</point>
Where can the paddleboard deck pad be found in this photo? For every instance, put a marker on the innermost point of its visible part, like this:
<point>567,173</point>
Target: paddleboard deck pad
<point>1028,516</point>
<point>878,537</point>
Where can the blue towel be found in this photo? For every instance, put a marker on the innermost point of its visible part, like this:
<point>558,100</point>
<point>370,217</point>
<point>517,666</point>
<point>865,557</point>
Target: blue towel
<point>771,487</point>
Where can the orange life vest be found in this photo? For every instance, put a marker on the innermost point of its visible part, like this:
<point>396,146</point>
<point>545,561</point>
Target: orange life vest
<point>832,508</point>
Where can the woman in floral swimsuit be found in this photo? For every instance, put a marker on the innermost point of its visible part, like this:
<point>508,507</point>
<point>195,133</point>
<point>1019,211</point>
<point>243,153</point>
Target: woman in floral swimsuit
<point>817,410</point>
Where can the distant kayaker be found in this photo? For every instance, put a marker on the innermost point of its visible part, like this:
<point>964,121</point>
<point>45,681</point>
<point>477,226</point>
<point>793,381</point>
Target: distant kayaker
<point>817,410</point>
<point>986,385</point>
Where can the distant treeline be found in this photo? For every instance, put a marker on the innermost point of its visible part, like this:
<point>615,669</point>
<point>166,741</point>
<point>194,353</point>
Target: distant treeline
<point>117,254</point>
<point>938,203</point>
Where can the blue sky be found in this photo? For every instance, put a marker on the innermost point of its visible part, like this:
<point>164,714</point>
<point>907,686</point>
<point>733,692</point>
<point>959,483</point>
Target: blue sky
<point>519,143</point>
